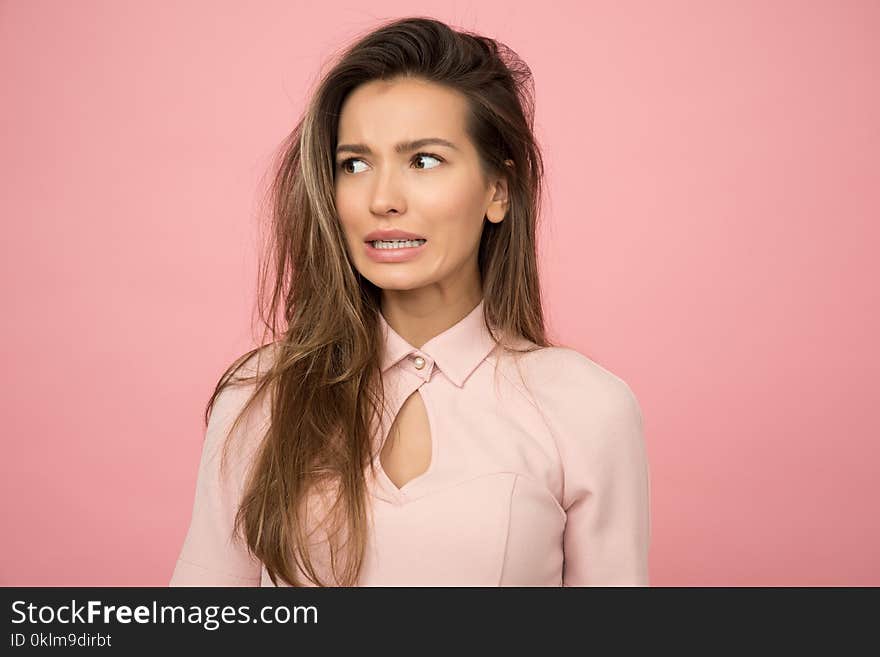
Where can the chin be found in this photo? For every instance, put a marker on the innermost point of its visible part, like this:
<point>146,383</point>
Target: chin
<point>402,281</point>
<point>401,287</point>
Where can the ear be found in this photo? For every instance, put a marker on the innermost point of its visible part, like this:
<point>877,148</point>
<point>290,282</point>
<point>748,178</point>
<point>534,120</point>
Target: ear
<point>500,202</point>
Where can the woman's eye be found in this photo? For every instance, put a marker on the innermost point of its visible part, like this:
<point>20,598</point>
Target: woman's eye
<point>345,164</point>
<point>418,157</point>
<point>430,157</point>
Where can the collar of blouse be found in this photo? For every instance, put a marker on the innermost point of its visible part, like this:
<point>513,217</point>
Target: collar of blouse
<point>457,351</point>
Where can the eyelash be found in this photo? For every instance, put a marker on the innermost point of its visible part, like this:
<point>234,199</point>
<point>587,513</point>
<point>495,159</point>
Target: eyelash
<point>415,157</point>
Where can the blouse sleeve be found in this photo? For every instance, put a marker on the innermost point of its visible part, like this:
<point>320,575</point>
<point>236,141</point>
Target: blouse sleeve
<point>211,555</point>
<point>606,485</point>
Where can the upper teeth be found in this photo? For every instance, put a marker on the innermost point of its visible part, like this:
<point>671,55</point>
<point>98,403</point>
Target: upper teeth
<point>396,244</point>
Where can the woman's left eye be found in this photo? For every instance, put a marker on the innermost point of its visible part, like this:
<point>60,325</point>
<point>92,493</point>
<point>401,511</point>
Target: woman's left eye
<point>429,156</point>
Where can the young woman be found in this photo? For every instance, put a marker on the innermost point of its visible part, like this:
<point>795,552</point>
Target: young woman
<point>409,423</point>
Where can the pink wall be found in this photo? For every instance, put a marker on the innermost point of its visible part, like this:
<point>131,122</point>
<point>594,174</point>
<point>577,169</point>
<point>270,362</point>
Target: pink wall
<point>713,213</point>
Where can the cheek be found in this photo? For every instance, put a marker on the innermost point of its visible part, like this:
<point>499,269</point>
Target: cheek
<point>456,214</point>
<point>348,216</point>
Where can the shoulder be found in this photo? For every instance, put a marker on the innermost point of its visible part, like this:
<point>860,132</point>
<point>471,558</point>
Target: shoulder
<point>248,370</point>
<point>256,362</point>
<point>240,395</point>
<point>563,371</point>
<point>575,392</point>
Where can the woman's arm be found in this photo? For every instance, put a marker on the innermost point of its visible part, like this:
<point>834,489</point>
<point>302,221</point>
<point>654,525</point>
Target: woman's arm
<point>607,491</point>
<point>596,423</point>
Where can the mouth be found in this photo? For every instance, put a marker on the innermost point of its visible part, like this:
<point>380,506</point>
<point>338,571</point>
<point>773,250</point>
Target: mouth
<point>396,244</point>
<point>395,251</point>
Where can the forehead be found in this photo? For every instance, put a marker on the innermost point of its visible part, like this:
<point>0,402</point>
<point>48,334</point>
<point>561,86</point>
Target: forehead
<point>384,112</point>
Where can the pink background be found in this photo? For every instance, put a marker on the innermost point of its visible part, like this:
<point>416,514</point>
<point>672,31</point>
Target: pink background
<point>711,237</point>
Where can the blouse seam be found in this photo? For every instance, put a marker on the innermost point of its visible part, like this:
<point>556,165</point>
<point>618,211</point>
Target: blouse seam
<point>563,516</point>
<point>507,537</point>
<point>515,473</point>
<point>553,437</point>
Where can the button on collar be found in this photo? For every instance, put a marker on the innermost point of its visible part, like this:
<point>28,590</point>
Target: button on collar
<point>420,364</point>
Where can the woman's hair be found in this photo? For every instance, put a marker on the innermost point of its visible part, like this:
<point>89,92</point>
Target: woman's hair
<point>324,378</point>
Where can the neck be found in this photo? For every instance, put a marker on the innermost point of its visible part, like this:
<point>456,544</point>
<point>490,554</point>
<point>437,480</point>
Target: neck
<point>418,315</point>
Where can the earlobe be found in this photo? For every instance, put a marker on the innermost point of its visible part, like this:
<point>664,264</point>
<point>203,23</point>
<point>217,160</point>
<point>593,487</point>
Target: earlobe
<point>497,211</point>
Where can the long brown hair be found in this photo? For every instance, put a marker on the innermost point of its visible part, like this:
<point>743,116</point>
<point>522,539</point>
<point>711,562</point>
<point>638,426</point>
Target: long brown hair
<point>321,316</point>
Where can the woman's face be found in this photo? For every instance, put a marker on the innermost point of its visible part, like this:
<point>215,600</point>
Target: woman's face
<point>435,191</point>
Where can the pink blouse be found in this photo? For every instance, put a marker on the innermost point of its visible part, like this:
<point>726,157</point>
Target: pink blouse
<point>538,476</point>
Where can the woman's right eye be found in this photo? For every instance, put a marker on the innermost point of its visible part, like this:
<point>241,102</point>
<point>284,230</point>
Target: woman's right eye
<point>344,164</point>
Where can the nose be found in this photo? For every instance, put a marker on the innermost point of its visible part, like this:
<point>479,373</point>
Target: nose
<point>388,194</point>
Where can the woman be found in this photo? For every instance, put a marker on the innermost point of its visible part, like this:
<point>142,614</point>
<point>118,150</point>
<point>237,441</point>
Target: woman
<point>409,423</point>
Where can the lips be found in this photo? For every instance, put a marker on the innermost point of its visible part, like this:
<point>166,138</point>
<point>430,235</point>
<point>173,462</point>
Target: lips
<point>395,255</point>
<point>394,234</point>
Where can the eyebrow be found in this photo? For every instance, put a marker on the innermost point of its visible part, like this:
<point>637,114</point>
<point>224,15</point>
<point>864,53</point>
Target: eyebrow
<point>402,147</point>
